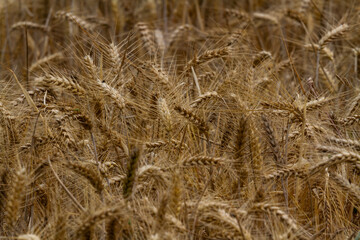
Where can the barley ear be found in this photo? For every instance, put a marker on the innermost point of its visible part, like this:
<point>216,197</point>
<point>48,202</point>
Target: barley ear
<point>14,198</point>
<point>132,165</point>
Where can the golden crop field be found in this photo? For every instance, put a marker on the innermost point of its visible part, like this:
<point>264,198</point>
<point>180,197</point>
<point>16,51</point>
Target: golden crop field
<point>179,119</point>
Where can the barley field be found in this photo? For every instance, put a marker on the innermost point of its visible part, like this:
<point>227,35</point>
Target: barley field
<point>179,119</point>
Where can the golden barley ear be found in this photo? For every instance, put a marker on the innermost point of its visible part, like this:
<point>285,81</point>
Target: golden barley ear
<point>86,225</point>
<point>207,56</point>
<point>165,114</point>
<point>147,37</point>
<point>203,98</point>
<point>240,137</point>
<point>240,15</point>
<point>161,213</point>
<point>132,165</point>
<point>323,50</point>
<point>89,173</point>
<point>115,60</point>
<point>283,216</point>
<point>147,172</point>
<point>203,161</point>
<point>14,198</point>
<point>191,117</point>
<point>256,154</point>
<point>178,33</point>
<point>30,25</point>
<point>102,86</point>
<point>46,60</point>
<point>272,140</point>
<point>334,34</point>
<point>348,121</point>
<point>81,23</point>
<point>63,82</point>
<point>28,237</point>
<point>271,18</point>
<point>111,229</point>
<point>175,194</point>
<point>341,157</point>
<point>261,57</point>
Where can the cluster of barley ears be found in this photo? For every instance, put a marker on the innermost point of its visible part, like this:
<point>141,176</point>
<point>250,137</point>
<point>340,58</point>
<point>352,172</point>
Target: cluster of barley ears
<point>179,119</point>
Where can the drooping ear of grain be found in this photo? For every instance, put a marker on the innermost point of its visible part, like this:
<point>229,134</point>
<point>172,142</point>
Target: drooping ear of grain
<point>202,98</point>
<point>102,86</point>
<point>342,157</point>
<point>30,25</point>
<point>90,174</point>
<point>197,121</point>
<point>284,217</point>
<point>44,60</point>
<point>261,57</point>
<point>209,55</point>
<point>81,23</point>
<point>92,219</point>
<point>63,82</point>
<point>334,34</point>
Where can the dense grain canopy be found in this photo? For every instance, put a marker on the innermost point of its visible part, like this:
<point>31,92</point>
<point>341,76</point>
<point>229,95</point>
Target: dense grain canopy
<point>178,119</point>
